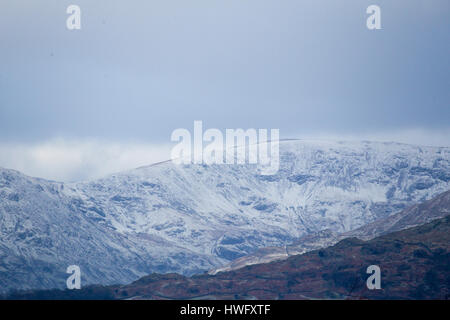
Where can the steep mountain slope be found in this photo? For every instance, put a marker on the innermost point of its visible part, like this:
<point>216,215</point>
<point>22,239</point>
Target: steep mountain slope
<point>43,231</point>
<point>418,214</point>
<point>168,218</point>
<point>414,264</point>
<point>415,215</point>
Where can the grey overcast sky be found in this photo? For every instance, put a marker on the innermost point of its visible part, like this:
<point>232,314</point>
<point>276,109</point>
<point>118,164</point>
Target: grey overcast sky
<point>137,70</point>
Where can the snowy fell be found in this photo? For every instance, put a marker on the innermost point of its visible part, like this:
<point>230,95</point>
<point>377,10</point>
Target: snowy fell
<point>193,218</point>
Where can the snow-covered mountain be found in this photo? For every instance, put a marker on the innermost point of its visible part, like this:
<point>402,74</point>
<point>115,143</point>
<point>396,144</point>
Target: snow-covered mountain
<point>192,218</point>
